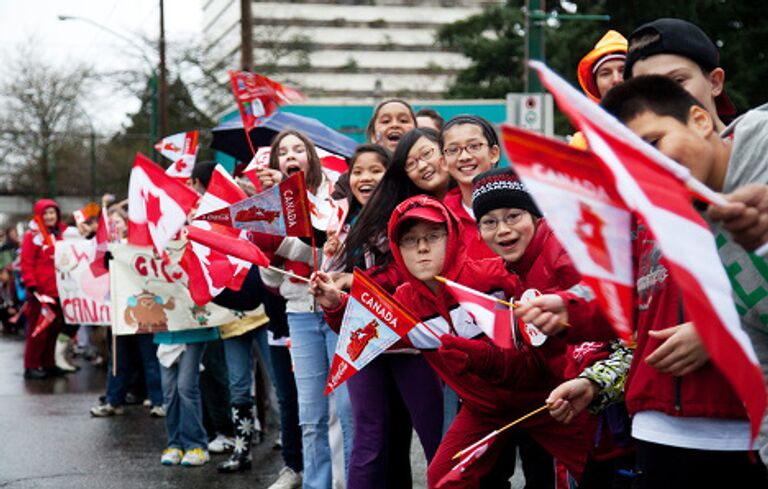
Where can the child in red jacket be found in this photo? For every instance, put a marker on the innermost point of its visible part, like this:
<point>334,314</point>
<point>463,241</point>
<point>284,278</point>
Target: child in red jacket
<point>39,277</point>
<point>424,239</point>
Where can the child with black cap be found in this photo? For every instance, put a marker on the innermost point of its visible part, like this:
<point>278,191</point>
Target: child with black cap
<point>679,50</point>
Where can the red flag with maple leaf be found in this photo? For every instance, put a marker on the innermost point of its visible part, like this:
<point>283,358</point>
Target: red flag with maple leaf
<point>257,96</point>
<point>181,149</point>
<point>158,205</point>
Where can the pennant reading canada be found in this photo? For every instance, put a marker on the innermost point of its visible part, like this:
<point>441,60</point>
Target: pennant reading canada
<point>372,322</point>
<point>585,213</point>
<point>282,210</point>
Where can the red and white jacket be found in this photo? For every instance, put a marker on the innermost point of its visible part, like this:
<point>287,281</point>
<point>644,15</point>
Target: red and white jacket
<point>37,267</point>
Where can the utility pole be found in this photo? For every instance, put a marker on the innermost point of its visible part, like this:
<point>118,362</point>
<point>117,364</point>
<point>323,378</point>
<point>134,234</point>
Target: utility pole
<point>246,36</point>
<point>163,80</point>
<point>535,23</point>
<point>534,43</point>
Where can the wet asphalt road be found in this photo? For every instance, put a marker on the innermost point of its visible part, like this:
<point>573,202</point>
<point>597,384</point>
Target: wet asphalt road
<point>48,438</point>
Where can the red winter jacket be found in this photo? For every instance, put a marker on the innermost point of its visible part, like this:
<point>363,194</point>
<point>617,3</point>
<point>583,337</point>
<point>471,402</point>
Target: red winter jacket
<point>658,305</point>
<point>37,267</point>
<point>473,243</point>
<point>568,443</point>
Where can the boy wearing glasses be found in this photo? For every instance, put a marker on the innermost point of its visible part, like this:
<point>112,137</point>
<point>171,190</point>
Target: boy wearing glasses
<point>425,242</point>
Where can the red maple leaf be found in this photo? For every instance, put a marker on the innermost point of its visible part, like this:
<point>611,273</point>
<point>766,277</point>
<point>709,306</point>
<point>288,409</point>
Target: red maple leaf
<point>152,204</point>
<point>180,165</point>
<point>171,147</point>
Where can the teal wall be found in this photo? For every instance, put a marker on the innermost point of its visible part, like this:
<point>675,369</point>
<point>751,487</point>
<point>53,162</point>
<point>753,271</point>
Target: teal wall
<point>352,119</point>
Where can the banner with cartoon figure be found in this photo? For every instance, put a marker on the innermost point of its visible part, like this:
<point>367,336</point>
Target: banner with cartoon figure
<point>84,297</point>
<point>150,294</point>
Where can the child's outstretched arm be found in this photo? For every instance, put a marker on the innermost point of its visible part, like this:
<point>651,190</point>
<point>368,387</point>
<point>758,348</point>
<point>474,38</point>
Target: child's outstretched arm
<point>576,307</point>
<point>597,387</point>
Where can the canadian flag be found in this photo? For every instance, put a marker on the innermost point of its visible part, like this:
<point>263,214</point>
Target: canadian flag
<point>181,149</point>
<point>652,185</point>
<point>209,269</point>
<point>257,96</point>
<point>586,214</point>
<point>490,315</point>
<point>472,453</point>
<point>157,205</point>
<point>101,242</point>
<point>260,161</point>
<point>333,164</point>
<point>327,214</point>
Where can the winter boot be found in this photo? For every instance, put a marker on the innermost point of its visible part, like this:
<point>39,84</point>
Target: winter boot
<point>242,418</point>
<point>62,345</point>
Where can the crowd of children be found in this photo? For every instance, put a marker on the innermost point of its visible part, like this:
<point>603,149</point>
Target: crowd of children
<point>427,199</point>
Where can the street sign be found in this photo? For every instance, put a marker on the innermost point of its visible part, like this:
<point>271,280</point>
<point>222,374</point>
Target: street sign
<point>532,111</point>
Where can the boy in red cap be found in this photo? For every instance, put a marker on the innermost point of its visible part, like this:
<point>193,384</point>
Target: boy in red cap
<point>424,239</point>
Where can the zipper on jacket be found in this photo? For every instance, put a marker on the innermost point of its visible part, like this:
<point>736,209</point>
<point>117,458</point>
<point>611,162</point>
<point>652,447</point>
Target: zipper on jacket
<point>679,380</point>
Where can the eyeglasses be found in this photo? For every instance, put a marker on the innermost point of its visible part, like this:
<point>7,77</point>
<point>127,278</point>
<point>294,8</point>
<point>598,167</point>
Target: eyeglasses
<point>412,242</point>
<point>425,156</point>
<point>489,223</point>
<point>454,151</point>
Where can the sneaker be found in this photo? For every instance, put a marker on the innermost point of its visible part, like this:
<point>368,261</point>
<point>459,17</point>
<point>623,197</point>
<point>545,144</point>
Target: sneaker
<point>147,403</point>
<point>195,457</point>
<point>221,444</point>
<point>288,479</point>
<point>171,456</point>
<point>105,410</point>
<point>157,412</point>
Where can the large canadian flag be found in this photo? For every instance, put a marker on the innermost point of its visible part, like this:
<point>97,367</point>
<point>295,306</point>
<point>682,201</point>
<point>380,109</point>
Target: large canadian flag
<point>584,211</point>
<point>181,149</point>
<point>210,269</point>
<point>653,186</point>
<point>157,205</point>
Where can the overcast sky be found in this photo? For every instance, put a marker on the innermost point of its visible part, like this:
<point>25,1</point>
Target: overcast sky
<point>75,41</point>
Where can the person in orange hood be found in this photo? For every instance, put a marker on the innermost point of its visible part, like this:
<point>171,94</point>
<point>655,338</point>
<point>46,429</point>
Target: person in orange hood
<point>600,70</point>
<point>39,277</point>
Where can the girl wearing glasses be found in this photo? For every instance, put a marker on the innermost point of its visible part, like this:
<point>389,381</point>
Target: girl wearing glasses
<point>470,146</point>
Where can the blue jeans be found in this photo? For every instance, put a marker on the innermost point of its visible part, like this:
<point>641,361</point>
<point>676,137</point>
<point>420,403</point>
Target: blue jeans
<point>313,344</point>
<point>117,385</point>
<point>281,371</point>
<point>238,351</point>
<point>183,404</point>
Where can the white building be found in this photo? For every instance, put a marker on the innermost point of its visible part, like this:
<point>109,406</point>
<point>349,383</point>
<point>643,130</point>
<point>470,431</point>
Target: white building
<point>343,50</point>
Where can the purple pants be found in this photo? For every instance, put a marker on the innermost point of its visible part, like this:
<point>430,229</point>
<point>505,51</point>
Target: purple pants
<point>392,394</point>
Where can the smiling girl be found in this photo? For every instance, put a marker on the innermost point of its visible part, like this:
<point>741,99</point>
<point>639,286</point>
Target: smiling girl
<point>391,120</point>
<point>470,147</point>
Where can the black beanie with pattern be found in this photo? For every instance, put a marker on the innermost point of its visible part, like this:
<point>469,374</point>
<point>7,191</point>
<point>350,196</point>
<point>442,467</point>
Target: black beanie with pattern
<point>500,188</point>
